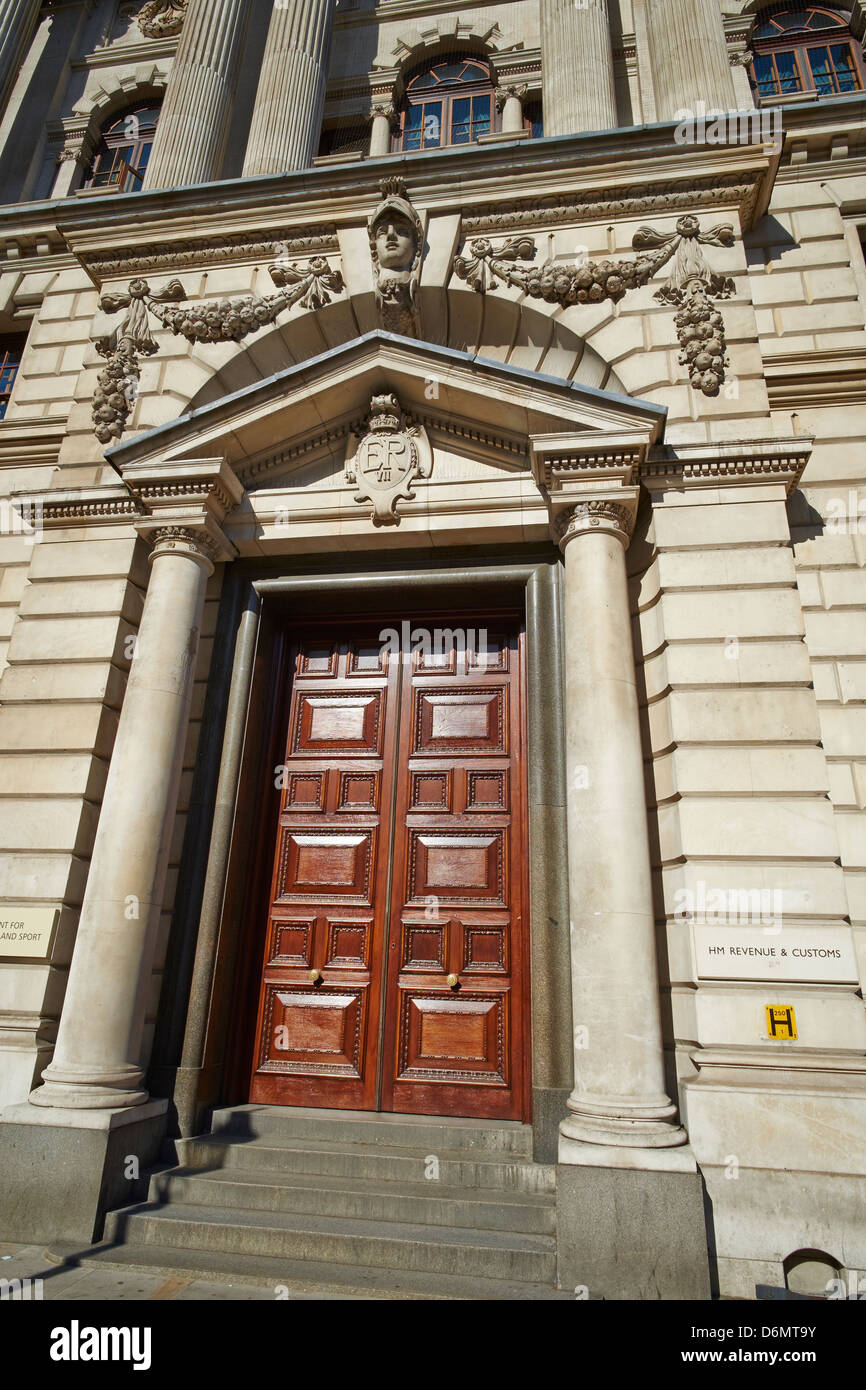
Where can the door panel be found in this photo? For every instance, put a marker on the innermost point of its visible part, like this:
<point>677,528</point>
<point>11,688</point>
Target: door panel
<point>317,1039</point>
<point>399,883</point>
<point>458,894</point>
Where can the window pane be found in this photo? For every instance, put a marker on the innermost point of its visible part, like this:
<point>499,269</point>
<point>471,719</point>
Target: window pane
<point>793,19</point>
<point>432,125</point>
<point>819,20</point>
<point>7,378</point>
<point>461,114</point>
<point>765,75</point>
<point>847,76</point>
<point>449,72</point>
<point>822,72</point>
<point>480,116</point>
<point>789,76</point>
<point>412,128</point>
<point>425,80</point>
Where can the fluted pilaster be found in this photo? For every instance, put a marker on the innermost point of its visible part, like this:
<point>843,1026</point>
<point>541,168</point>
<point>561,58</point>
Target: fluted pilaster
<point>191,135</point>
<point>577,67</point>
<point>287,117</point>
<point>17,23</point>
<point>689,57</point>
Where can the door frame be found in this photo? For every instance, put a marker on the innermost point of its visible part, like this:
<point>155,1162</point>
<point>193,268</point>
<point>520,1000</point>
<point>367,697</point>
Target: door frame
<point>194,1058</point>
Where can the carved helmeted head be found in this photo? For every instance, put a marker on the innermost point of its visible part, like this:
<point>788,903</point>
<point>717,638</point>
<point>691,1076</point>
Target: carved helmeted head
<point>395,230</point>
<point>396,235</point>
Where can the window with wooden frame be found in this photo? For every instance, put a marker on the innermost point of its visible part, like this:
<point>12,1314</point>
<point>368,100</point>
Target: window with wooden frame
<point>449,101</point>
<point>804,50</point>
<point>124,149</point>
<point>11,351</point>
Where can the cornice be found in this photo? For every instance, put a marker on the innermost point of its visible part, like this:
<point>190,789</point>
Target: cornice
<point>797,381</point>
<point>87,506</point>
<point>759,461</point>
<point>126,54</point>
<point>619,201</point>
<point>30,443</point>
<point>214,250</point>
<point>560,170</point>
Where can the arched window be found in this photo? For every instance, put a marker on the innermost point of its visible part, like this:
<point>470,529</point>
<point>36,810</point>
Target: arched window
<point>804,50</point>
<point>124,149</point>
<point>448,102</point>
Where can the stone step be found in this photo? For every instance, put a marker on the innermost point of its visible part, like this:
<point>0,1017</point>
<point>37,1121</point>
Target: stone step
<point>426,1203</point>
<point>507,1255</point>
<point>320,1280</point>
<point>424,1132</point>
<point>390,1163</point>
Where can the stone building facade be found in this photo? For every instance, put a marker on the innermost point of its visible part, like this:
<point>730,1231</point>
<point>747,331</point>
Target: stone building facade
<point>325,321</point>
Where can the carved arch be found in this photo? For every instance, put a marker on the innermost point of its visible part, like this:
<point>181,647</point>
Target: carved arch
<point>514,333</point>
<point>446,36</point>
<point>755,7</point>
<point>105,102</point>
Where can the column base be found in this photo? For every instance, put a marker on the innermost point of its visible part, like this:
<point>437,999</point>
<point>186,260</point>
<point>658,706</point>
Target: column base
<point>630,1224</point>
<point>65,1088</point>
<point>652,1126</point>
<point>63,1169</point>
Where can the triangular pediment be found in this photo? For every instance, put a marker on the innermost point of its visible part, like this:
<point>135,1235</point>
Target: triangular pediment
<point>294,428</point>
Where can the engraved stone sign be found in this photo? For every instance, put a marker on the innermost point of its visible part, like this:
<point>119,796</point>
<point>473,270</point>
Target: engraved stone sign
<point>824,954</point>
<point>26,931</point>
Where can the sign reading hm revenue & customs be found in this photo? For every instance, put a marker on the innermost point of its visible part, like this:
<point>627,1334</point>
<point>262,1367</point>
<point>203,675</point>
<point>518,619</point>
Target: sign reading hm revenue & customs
<point>818,954</point>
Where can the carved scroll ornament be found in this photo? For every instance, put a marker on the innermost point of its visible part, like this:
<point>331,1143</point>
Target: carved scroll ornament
<point>692,285</point>
<point>222,321</point>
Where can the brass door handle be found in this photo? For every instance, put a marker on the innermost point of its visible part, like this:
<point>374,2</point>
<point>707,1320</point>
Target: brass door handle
<point>316,976</point>
<point>452,981</point>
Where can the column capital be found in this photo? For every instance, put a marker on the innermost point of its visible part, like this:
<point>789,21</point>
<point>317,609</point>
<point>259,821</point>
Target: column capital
<point>509,91</point>
<point>205,543</point>
<point>185,504</point>
<point>385,109</point>
<point>591,480</point>
<point>614,517</point>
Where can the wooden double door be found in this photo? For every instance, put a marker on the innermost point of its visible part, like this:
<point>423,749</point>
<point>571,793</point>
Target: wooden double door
<point>395,970</point>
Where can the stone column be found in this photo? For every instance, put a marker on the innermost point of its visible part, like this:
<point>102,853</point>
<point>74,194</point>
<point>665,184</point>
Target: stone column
<point>18,20</point>
<point>97,1061</point>
<point>509,100</point>
<point>689,57</point>
<point>382,118</point>
<point>619,1095</point>
<point>287,118</point>
<point>191,134</point>
<point>577,67</point>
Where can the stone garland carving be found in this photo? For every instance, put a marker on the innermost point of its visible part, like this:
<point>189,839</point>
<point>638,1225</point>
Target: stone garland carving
<point>396,245</point>
<point>161,19</point>
<point>691,286</point>
<point>385,461</point>
<point>225,320</point>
